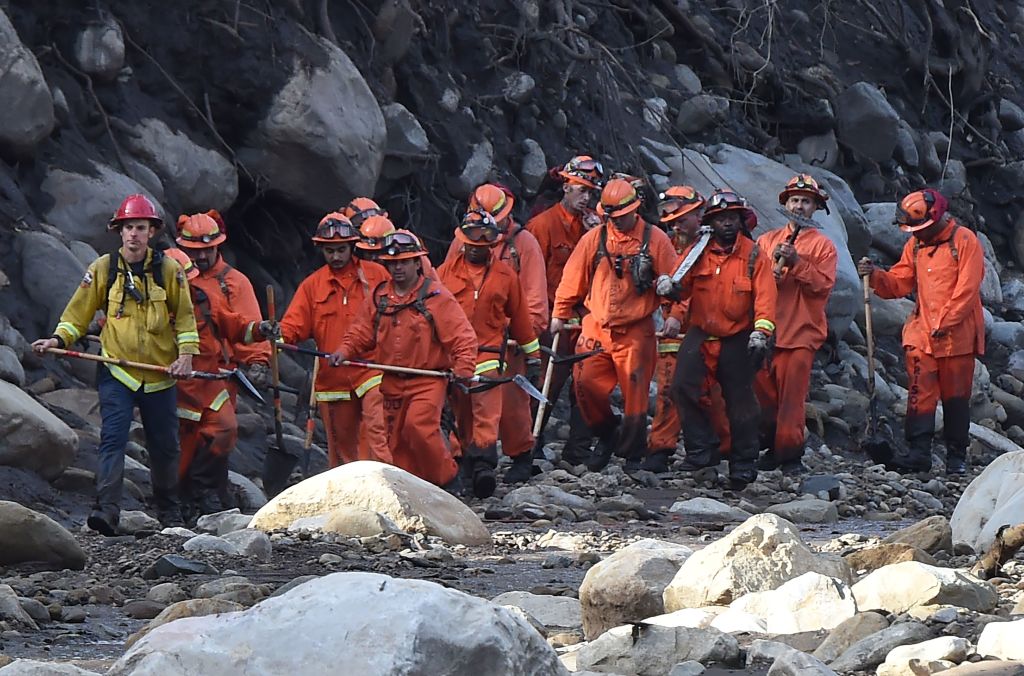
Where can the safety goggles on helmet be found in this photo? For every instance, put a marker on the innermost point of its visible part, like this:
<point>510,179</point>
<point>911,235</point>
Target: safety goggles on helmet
<point>358,217</point>
<point>583,169</point>
<point>479,226</point>
<point>398,243</point>
<point>335,229</point>
<point>678,202</point>
<point>724,200</point>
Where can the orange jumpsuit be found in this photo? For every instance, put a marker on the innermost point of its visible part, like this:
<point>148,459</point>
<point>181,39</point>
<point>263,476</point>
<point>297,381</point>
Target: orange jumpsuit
<point>801,328</point>
<point>557,232</point>
<point>493,300</point>
<point>207,425</point>
<point>942,336</point>
<point>519,249</point>
<point>620,322</point>
<point>349,397</point>
<point>237,290</point>
<point>400,334</point>
<point>732,292</point>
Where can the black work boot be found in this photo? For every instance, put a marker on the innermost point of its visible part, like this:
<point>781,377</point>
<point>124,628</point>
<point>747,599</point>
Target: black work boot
<point>694,462</point>
<point>104,520</point>
<point>657,461</point>
<point>607,441</point>
<point>956,461</point>
<point>767,461</point>
<point>741,475</point>
<point>483,478</point>
<point>521,470</point>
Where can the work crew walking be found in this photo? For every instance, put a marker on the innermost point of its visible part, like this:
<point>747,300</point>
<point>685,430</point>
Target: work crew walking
<point>149,319</point>
<point>804,264</point>
<point>943,266</point>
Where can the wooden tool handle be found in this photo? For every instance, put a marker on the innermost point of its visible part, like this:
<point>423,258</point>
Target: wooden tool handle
<point>548,375</point>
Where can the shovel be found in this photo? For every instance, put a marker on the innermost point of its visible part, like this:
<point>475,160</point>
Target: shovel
<point>875,444</point>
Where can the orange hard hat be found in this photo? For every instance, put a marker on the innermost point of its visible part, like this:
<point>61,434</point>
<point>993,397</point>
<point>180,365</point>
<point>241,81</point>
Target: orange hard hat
<point>373,231</point>
<point>678,201</point>
<point>618,198</point>
<point>189,268</point>
<point>400,245</point>
<point>334,228</point>
<point>199,231</point>
<point>135,206</point>
<point>804,184</point>
<point>722,201</point>
<point>492,199</point>
<point>583,170</point>
<point>361,208</point>
<point>920,209</point>
<point>478,228</point>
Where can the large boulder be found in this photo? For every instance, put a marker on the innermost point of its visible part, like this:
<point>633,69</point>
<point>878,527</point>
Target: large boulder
<point>868,124</point>
<point>900,661</point>
<point>84,202</point>
<point>556,613</point>
<point>885,236</point>
<point>759,180</point>
<point>38,668</point>
<point>848,632</point>
<point>407,142</point>
<point>902,586</point>
<point>27,536</point>
<point>28,105</point>
<point>1002,640</point>
<point>761,554</point>
<point>388,626</point>
<point>993,500</point>
<point>931,535</point>
<point>33,438</point>
<point>810,602</point>
<point>628,585</point>
<point>322,142</point>
<point>197,178</point>
<point>415,505</point>
<point>50,273</point>
<point>652,650</point>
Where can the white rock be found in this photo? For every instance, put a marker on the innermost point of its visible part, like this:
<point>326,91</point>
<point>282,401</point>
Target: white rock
<point>688,668</point>
<point>796,663</point>
<point>426,629</point>
<point>222,523</point>
<point>914,668</point>
<point>357,522</point>
<point>415,505</point>
<point>250,542</point>
<point>733,621</point>
<point>810,602</point>
<point>900,586</point>
<point>707,510</point>
<point>543,494</point>
<point>949,648</point>
<point>33,437</point>
<point>695,618</point>
<point>37,668</point>
<point>28,109</point>
<point>1004,640</point>
<point>628,585</point>
<point>28,536</point>
<point>654,650</point>
<point>760,554</point>
<point>555,613</point>
<point>204,542</point>
<point>132,521</point>
<point>994,499</point>
<point>178,532</point>
<point>806,510</point>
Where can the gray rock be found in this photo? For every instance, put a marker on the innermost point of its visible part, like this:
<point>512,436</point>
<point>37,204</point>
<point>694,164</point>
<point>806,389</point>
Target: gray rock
<point>849,632</point>
<point>323,138</point>
<point>166,593</point>
<point>701,112</point>
<point>39,668</point>
<point>954,184</point>
<point>650,650</point>
<point>198,178</point>
<point>28,105</point>
<point>407,141</point>
<point>250,542</point>
<point>83,203</point>
<point>822,150</point>
<point>249,496</point>
<point>1010,334</point>
<point>885,236</point>
<point>818,484</point>
<point>132,521</point>
<point>99,49</point>
<point>34,438</point>
<point>35,609</point>
<point>689,82</point>
<point>204,542</point>
<point>707,510</point>
<point>534,167</point>
<point>555,613</point>
<point>688,668</point>
<point>50,273</point>
<point>11,369</point>
<point>871,650</point>
<point>906,149</point>
<point>518,88</point>
<point>474,172</point>
<point>796,663</point>
<point>930,535</point>
<point>543,494</point>
<point>1011,117</point>
<point>806,510</point>
<point>11,610</point>
<point>172,564</point>
<point>867,122</point>
<point>221,523</point>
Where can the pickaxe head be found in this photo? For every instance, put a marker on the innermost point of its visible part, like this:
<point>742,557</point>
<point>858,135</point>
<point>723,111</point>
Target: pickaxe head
<point>246,384</point>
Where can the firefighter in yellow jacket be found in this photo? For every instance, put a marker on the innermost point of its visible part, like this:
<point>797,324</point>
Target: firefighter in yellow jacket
<point>149,319</point>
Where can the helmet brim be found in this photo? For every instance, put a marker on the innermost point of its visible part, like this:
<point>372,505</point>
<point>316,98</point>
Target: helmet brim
<point>461,236</point>
<point>115,223</point>
<point>190,244</point>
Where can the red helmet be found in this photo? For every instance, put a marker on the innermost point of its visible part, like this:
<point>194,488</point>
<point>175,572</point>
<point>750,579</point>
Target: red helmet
<point>920,209</point>
<point>334,228</point>
<point>135,206</point>
<point>725,200</point>
<point>199,231</point>
<point>678,201</point>
<point>478,228</point>
<point>618,198</point>
<point>189,268</point>
<point>804,184</point>
<point>493,199</point>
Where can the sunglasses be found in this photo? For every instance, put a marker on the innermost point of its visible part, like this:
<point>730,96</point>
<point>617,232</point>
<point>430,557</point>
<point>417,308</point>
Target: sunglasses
<point>335,229</point>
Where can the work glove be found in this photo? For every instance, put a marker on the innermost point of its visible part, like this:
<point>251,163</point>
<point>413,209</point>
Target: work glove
<point>259,375</point>
<point>533,371</point>
<point>758,347</point>
<point>269,329</point>
<point>665,286</point>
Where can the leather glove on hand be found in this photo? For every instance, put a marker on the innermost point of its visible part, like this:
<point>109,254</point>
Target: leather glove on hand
<point>665,286</point>
<point>269,329</point>
<point>259,375</point>
<point>533,371</point>
<point>758,347</point>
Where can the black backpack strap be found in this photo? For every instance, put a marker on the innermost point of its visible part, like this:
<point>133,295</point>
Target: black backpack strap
<point>381,303</point>
<point>602,251</point>
<point>752,260</point>
<point>223,282</point>
<point>510,246</point>
<point>206,311</point>
<point>421,305</point>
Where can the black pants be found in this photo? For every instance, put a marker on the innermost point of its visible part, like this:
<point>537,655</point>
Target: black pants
<point>735,373</point>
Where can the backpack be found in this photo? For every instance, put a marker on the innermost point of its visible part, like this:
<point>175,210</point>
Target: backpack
<point>602,251</point>
<point>156,269</point>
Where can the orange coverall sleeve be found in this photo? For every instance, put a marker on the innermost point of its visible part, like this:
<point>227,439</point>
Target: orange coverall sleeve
<point>244,303</point>
<point>534,278</point>
<point>297,322</point>
<point>576,279</point>
<point>900,279</point>
<point>765,294</point>
<point>453,251</point>
<point>453,329</point>
<point>360,337</point>
<point>817,276</point>
<point>520,326</point>
<point>961,303</point>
